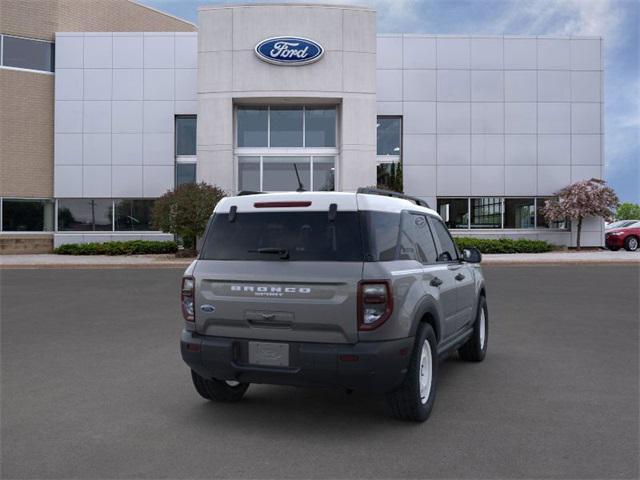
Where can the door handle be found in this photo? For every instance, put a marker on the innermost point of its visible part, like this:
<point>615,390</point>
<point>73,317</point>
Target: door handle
<point>459,277</point>
<point>435,282</point>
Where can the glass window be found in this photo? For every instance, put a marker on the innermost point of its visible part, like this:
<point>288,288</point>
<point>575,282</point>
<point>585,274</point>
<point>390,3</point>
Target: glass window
<point>320,127</point>
<point>286,173</point>
<point>383,229</point>
<point>84,214</point>
<point>486,212</point>
<point>416,242</point>
<point>454,212</point>
<point>185,173</point>
<point>389,176</point>
<point>186,135</point>
<point>446,246</point>
<point>285,125</point>
<point>324,169</point>
<point>306,236</point>
<point>542,222</point>
<point>389,132</point>
<point>519,213</point>
<point>133,215</point>
<point>26,53</point>
<point>249,174</point>
<point>26,215</point>
<point>253,124</point>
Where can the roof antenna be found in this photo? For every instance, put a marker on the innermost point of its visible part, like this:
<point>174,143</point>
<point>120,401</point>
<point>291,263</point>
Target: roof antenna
<point>300,185</point>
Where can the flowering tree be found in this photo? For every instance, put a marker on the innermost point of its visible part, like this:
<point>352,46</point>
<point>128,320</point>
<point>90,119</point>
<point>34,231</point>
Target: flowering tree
<point>586,198</point>
<point>185,211</point>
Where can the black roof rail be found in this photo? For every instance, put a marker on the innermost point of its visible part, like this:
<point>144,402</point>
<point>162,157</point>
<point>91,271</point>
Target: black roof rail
<point>248,192</point>
<point>389,193</point>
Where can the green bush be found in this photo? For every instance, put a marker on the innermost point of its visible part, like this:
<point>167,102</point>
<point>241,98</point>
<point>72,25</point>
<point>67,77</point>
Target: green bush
<point>132,247</point>
<point>504,245</point>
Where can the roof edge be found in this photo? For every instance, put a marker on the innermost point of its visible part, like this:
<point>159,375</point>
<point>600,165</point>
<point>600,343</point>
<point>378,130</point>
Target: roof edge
<point>137,2</point>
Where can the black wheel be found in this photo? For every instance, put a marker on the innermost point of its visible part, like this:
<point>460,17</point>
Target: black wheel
<point>631,243</point>
<point>218,390</point>
<point>414,398</point>
<point>475,348</point>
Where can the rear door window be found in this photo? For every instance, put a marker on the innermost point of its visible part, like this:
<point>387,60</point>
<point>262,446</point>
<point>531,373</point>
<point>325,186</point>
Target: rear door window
<point>305,236</point>
<point>416,242</point>
<point>447,251</point>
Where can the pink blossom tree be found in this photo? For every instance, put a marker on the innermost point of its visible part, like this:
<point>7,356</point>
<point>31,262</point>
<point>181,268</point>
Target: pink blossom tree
<point>586,198</point>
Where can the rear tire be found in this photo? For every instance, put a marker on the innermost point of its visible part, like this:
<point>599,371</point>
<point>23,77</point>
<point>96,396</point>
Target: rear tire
<point>218,390</point>
<point>631,243</point>
<point>414,398</point>
<point>476,347</point>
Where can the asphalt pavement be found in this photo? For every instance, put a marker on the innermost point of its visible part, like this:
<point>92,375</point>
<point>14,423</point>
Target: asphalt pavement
<point>93,387</point>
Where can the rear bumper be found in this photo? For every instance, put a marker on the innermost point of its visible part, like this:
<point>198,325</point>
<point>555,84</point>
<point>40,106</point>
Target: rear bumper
<point>380,366</point>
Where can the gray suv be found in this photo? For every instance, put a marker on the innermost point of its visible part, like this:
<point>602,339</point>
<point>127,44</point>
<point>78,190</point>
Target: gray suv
<point>364,291</point>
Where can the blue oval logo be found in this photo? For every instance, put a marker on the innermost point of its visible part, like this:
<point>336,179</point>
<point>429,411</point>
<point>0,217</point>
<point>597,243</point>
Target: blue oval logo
<point>208,308</point>
<point>289,51</point>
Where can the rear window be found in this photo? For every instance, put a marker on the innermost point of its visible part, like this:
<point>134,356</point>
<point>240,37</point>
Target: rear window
<point>305,236</point>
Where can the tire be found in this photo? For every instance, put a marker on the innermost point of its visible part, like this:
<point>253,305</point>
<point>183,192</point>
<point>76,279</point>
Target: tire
<point>410,401</point>
<point>218,390</point>
<point>631,243</point>
<point>475,349</point>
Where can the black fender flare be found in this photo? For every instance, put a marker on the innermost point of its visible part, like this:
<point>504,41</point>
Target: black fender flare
<point>428,306</point>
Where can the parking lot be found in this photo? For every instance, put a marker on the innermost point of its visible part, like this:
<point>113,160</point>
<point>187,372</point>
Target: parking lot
<point>93,387</point>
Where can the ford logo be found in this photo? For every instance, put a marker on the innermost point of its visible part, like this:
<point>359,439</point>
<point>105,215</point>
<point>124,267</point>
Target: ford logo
<point>208,308</point>
<point>289,51</point>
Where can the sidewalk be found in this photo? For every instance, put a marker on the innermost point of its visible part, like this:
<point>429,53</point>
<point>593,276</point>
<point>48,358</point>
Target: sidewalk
<point>170,261</point>
<point>565,257</point>
<point>93,261</point>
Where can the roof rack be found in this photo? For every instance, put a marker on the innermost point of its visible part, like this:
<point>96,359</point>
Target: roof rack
<point>389,193</point>
<point>248,192</point>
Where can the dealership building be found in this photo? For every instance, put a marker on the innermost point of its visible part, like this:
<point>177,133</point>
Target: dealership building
<point>111,104</point>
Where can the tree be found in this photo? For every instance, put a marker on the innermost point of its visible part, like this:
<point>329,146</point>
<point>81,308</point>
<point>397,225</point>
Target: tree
<point>586,198</point>
<point>628,211</point>
<point>186,210</point>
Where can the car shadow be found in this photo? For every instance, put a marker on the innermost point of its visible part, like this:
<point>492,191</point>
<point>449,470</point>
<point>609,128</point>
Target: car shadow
<point>268,408</point>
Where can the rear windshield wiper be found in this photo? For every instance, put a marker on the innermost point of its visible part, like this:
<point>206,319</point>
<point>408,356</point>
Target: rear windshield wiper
<point>283,252</point>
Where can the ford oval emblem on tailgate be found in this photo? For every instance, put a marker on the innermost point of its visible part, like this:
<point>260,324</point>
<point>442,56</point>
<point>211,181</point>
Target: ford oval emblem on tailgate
<point>207,308</point>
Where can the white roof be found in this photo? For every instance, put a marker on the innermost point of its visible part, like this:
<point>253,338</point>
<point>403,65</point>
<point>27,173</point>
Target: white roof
<point>319,201</point>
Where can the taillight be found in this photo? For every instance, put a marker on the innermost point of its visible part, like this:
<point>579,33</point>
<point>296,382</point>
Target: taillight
<point>375,303</point>
<point>187,298</point>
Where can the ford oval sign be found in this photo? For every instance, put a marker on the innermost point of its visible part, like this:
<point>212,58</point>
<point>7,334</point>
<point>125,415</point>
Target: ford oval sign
<point>289,51</point>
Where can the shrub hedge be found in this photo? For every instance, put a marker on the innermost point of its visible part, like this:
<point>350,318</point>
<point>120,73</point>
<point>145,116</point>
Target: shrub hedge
<point>131,247</point>
<point>504,245</point>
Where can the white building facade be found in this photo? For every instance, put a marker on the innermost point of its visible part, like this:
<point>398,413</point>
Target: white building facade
<point>483,128</point>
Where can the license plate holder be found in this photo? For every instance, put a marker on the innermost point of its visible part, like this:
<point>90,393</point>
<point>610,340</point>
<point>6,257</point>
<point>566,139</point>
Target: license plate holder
<point>269,354</point>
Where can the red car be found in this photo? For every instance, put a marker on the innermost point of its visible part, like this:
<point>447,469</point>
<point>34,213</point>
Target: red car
<point>627,237</point>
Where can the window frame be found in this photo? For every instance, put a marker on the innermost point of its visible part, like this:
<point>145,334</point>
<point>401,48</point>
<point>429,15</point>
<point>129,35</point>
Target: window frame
<point>268,151</point>
<point>536,228</point>
<point>389,159</point>
<point>261,159</point>
<point>22,69</point>
<point>183,159</point>
<point>29,232</point>
<point>268,146</point>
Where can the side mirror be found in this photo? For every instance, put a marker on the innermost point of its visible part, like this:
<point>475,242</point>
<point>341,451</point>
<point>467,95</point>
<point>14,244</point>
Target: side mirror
<point>471,255</point>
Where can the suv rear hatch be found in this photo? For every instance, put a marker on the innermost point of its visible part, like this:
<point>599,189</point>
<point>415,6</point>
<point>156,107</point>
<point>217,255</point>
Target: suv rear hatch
<point>281,270</point>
